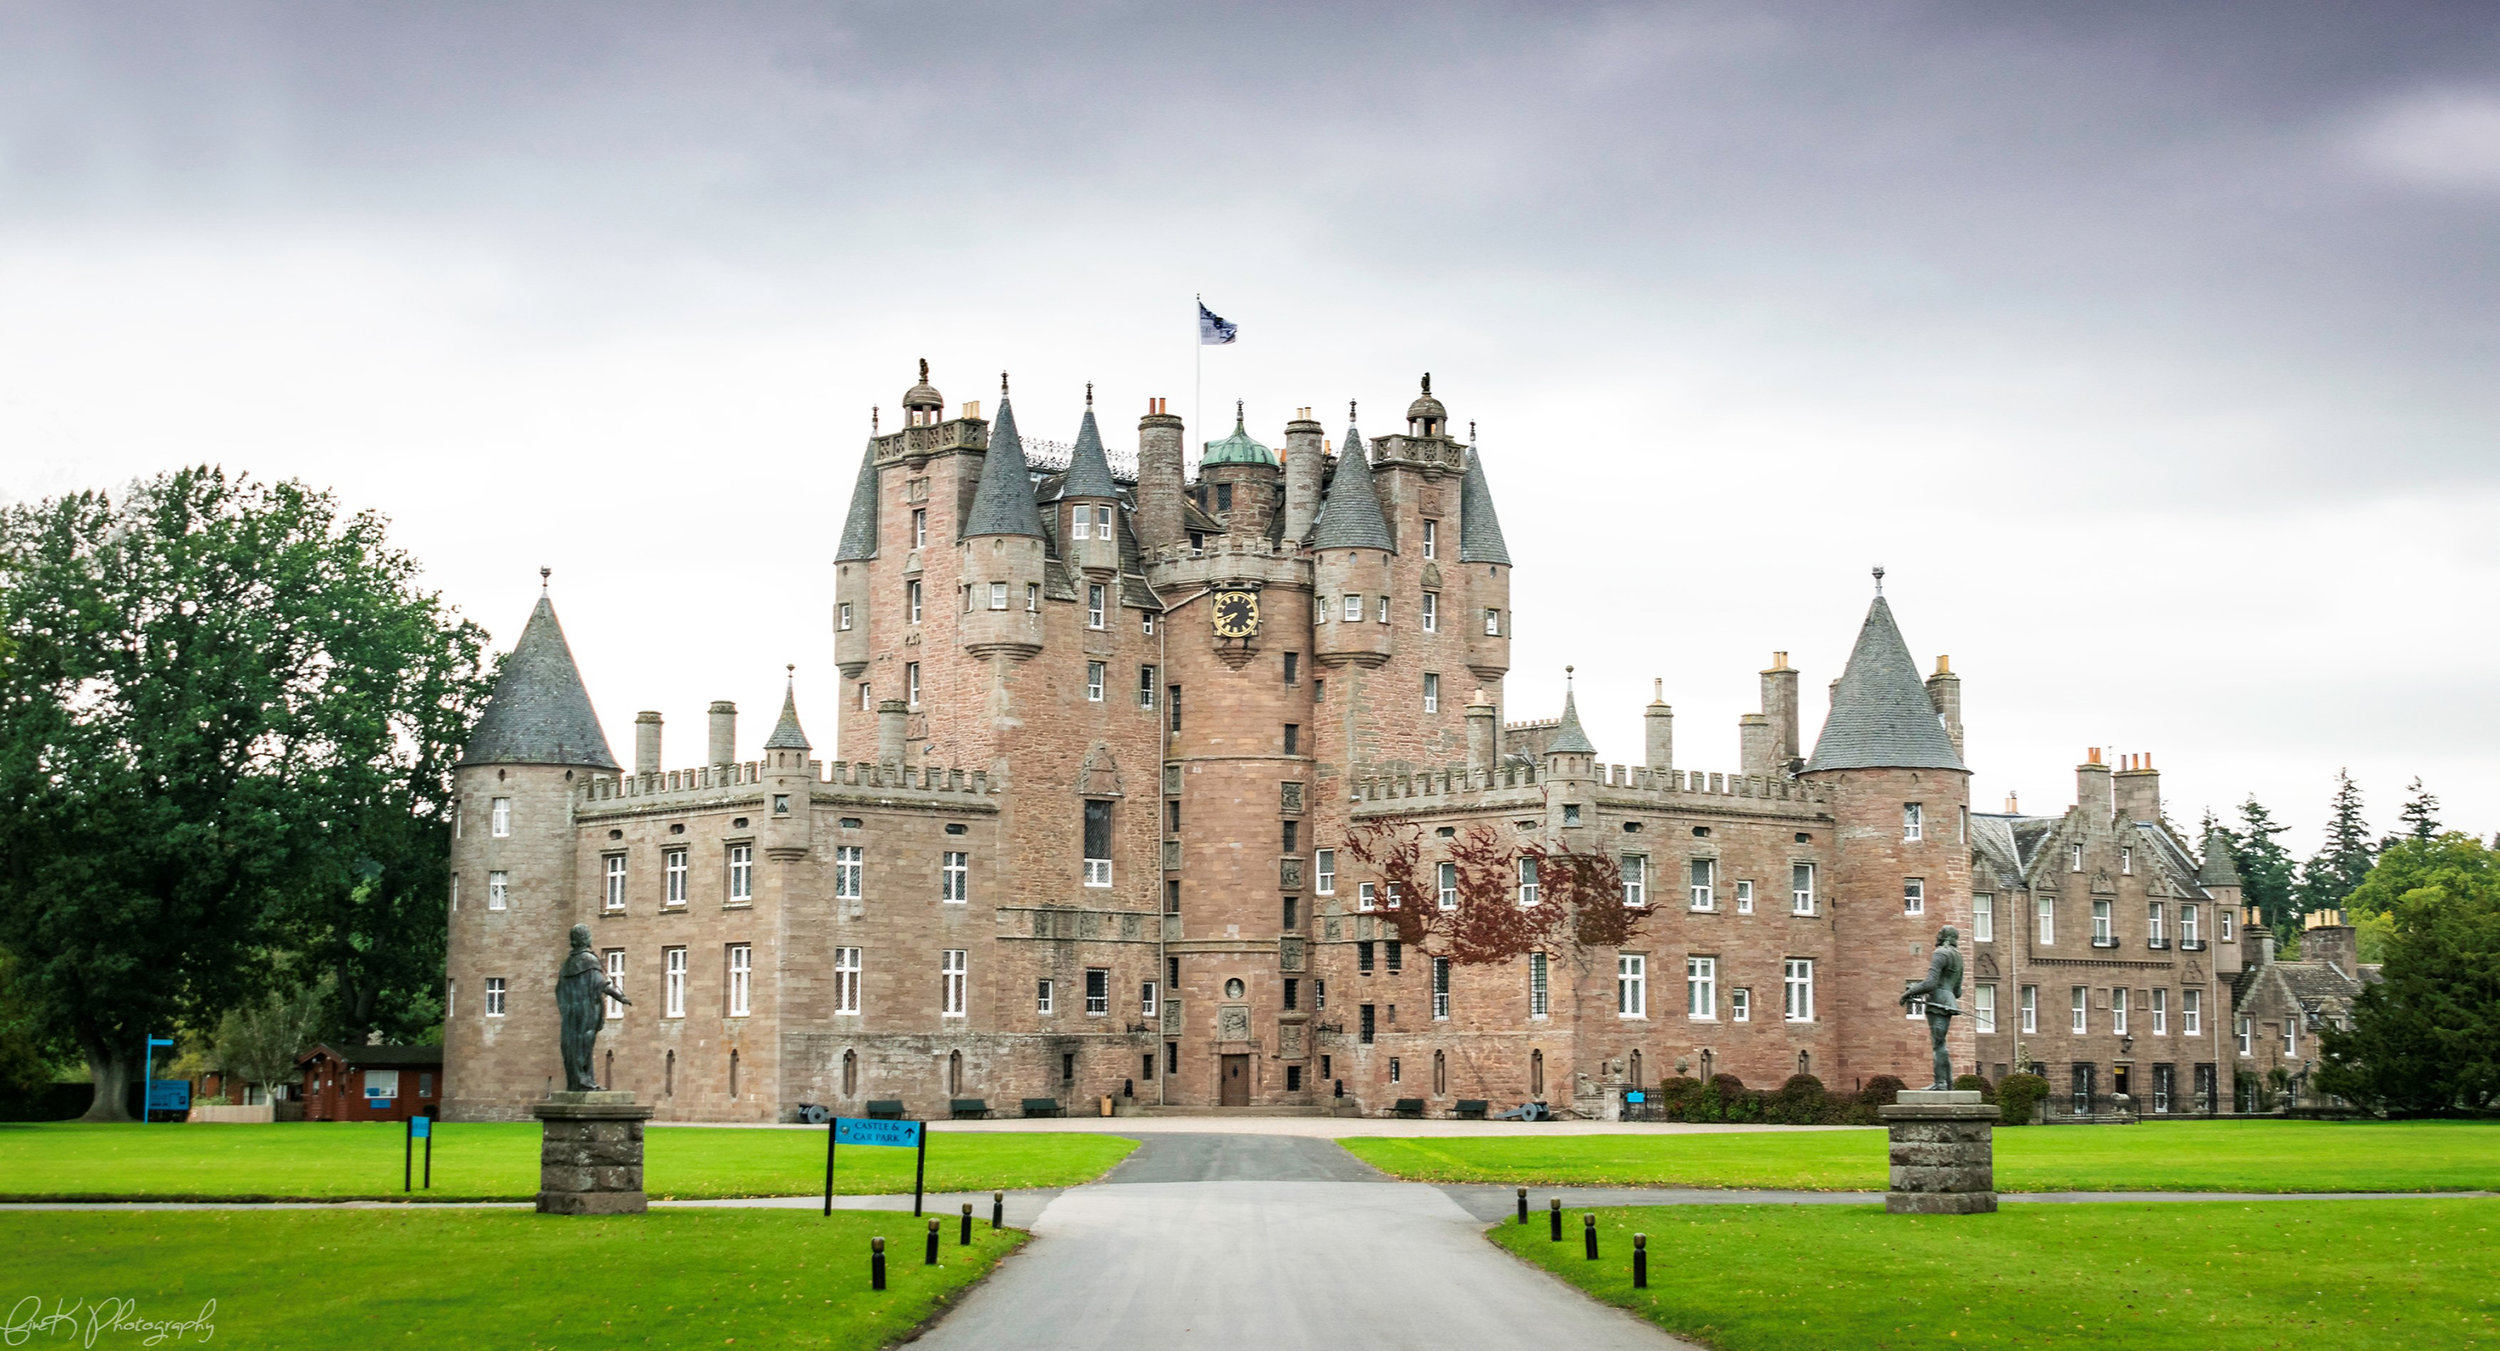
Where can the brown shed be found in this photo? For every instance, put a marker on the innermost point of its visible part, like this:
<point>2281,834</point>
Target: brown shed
<point>371,1083</point>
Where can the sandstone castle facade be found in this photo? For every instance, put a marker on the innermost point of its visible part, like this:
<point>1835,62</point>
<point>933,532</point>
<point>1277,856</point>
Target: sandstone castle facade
<point>1110,744</point>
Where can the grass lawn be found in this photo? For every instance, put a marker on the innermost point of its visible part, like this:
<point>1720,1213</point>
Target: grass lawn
<point>326,1278</point>
<point>2395,1274</point>
<point>499,1161</point>
<point>2254,1156</point>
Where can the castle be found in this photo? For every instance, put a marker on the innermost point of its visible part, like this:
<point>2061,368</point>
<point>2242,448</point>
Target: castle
<point>1181,791</point>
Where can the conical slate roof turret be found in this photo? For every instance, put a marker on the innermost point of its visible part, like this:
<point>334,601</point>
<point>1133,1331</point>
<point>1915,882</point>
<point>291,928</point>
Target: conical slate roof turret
<point>2217,871</point>
<point>1350,517</point>
<point>1003,503</point>
<point>1089,472</point>
<point>1479,530</point>
<point>1882,717</point>
<point>540,714</point>
<point>1568,738</point>
<point>859,528</point>
<point>786,734</point>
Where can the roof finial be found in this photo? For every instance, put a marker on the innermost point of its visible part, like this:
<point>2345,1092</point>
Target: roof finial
<point>1471,431</point>
<point>924,370</point>
<point>1002,384</point>
<point>1567,677</point>
<point>1089,393</point>
<point>543,574</point>
<point>1879,579</point>
<point>873,410</point>
<point>1427,382</point>
<point>1349,411</point>
<point>791,672</point>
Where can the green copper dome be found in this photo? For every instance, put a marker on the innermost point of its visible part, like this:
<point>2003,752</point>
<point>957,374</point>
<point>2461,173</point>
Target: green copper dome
<point>1238,448</point>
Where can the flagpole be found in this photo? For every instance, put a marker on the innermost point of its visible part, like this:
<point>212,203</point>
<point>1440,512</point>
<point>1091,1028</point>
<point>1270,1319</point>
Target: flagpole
<point>1198,383</point>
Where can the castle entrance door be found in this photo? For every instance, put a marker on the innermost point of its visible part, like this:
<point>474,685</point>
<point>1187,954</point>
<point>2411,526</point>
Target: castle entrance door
<point>1236,1088</point>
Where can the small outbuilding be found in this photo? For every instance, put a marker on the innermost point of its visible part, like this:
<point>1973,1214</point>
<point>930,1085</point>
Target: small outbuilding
<point>371,1083</point>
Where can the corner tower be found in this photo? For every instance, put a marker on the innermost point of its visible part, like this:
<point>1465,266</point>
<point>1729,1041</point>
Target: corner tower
<point>1002,549</point>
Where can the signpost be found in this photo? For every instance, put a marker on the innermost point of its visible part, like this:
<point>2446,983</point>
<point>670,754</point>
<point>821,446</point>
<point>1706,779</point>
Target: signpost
<point>419,1128</point>
<point>844,1130</point>
<point>147,1077</point>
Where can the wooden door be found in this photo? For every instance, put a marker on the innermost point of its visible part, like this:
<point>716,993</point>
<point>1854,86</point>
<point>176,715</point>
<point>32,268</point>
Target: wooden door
<point>1236,1081</point>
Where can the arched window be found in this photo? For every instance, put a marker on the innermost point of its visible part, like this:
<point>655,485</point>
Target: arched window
<point>850,1073</point>
<point>1805,1062</point>
<point>668,1075</point>
<point>1440,1074</point>
<point>609,1074</point>
<point>1536,1073</point>
<point>733,1074</point>
<point>955,1074</point>
<point>1636,1069</point>
<point>1709,1065</point>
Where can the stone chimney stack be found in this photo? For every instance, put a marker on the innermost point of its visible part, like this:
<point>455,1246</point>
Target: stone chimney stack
<point>1484,734</point>
<point>1306,462</point>
<point>1159,482</point>
<point>2139,790</point>
<point>1944,690</point>
<point>2259,937</point>
<point>1779,704</point>
<point>2092,787</point>
<point>724,748</point>
<point>1753,745</point>
<point>1658,728</point>
<point>647,742</point>
<point>2329,939</point>
<point>891,715</point>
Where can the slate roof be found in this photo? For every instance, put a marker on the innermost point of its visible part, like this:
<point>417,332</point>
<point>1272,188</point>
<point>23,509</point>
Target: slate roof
<point>540,714</point>
<point>2218,871</point>
<point>1568,738</point>
<point>1992,838</point>
<point>1882,717</point>
<point>1089,472</point>
<point>786,734</point>
<point>1349,517</point>
<point>859,528</point>
<point>1003,503</point>
<point>1479,529</point>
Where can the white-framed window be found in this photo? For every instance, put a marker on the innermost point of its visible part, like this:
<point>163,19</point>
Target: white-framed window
<point>1914,895</point>
<point>1540,993</point>
<point>1797,989</point>
<point>1440,988</point>
<point>500,814</point>
<point>741,978</point>
<point>1324,861</point>
<point>1094,617</point>
<point>1701,987</point>
<point>1704,877</point>
<point>1384,609</point>
<point>673,870</point>
<point>1354,609</point>
<point>2074,858</point>
<point>850,868</point>
<point>911,684</point>
<point>2126,862</point>
<point>1150,622</point>
<point>1043,990</point>
<point>1744,896</point>
<point>451,1000</point>
<point>1097,993</point>
<point>1983,917</point>
<point>1492,623</point>
<point>920,527</point>
<point>494,1003</point>
<point>2029,998</point>
<point>1146,998</point>
<point>1739,1004</point>
<point>741,872</point>
<point>1365,896</point>
<point>2118,1010</point>
<point>1801,888</point>
<point>998,595</point>
<point>615,963</point>
<point>1082,518</point>
<point>955,878</point>
<point>2291,1034</point>
<point>866,704</point>
<point>1391,890</point>
<point>1095,672</point>
<point>615,898</point>
<point>2153,926</point>
<point>1102,522</point>
<point>2044,929</point>
<point>2191,1012</point>
<point>2222,917</point>
<point>2161,1013</point>
<point>911,600</point>
<point>455,898</point>
<point>498,890</point>
<point>1432,612</point>
<point>1097,842</point>
<point>1033,598</point>
<point>1527,881</point>
<point>2188,930</point>
<point>2101,934</point>
<point>1631,985</point>
<point>673,969</point>
<point>844,621</point>
<point>1913,821</point>
<point>1432,539</point>
<point>2081,1011</point>
<point>953,969</point>
<point>1984,1008</point>
<point>1636,880</point>
<point>2242,1030</point>
<point>1432,692</point>
<point>1145,687</point>
<point>1447,876</point>
<point>846,978</point>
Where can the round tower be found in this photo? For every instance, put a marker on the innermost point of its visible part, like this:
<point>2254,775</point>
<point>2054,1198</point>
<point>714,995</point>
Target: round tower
<point>1002,549</point>
<point>1089,502</point>
<point>1240,478</point>
<point>1351,551</point>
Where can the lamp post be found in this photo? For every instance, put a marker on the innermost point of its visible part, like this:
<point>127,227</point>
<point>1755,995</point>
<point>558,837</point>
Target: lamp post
<point>147,1076</point>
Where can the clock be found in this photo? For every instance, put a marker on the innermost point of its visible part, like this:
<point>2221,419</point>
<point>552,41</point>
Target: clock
<point>1236,614</point>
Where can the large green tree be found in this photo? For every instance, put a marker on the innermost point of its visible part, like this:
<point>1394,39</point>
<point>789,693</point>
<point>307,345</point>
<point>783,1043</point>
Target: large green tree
<point>2340,865</point>
<point>226,729</point>
<point>2264,865</point>
<point>2426,1035</point>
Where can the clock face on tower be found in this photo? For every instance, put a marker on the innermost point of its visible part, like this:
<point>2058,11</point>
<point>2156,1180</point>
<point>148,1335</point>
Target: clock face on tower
<point>1236,614</point>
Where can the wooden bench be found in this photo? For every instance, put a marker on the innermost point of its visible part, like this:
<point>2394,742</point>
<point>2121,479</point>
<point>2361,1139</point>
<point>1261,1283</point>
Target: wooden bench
<point>1471,1109</point>
<point>885,1109</point>
<point>1411,1108</point>
<point>1043,1107</point>
<point>968,1109</point>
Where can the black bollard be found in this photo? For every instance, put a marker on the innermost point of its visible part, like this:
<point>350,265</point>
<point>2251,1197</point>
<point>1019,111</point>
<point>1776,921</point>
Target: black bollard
<point>1640,1261</point>
<point>876,1264</point>
<point>931,1259</point>
<point>998,1210</point>
<point>1588,1228</point>
<point>1556,1213</point>
<point>964,1240</point>
<point>1523,1205</point>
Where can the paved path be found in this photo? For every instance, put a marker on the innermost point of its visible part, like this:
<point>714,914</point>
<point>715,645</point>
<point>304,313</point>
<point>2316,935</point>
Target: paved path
<point>1312,1127</point>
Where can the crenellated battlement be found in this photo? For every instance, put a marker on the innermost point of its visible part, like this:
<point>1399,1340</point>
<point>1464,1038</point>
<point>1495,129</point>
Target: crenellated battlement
<point>685,785</point>
<point>1667,788</point>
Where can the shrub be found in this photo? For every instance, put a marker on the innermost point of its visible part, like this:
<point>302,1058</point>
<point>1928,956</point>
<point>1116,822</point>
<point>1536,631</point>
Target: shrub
<point>1799,1102</point>
<point>1881,1091</point>
<point>2018,1095</point>
<point>1975,1083</point>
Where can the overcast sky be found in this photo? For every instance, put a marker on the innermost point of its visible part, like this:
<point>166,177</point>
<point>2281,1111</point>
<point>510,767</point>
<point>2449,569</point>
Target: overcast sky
<point>2151,349</point>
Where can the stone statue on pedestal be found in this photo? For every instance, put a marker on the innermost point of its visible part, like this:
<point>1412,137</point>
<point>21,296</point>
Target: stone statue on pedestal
<point>582,992</point>
<point>1941,990</point>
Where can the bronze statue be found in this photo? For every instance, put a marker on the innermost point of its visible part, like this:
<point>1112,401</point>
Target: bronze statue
<point>582,992</point>
<point>1943,983</point>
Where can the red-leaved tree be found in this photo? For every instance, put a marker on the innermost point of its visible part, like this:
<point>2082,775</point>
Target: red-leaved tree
<point>1579,896</point>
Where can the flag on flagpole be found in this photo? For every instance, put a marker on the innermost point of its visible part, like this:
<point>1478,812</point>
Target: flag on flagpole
<point>1214,330</point>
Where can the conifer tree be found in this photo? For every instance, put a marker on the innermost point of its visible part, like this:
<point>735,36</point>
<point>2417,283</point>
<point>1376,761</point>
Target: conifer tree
<point>2264,865</point>
<point>2420,815</point>
<point>2340,866</point>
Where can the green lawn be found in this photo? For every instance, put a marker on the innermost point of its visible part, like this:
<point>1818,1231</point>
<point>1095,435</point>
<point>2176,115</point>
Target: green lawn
<point>2217,1274</point>
<point>488,1279</point>
<point>499,1160</point>
<point>2255,1156</point>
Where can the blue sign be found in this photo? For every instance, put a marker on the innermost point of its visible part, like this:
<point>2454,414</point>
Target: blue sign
<point>853,1131</point>
<point>1636,1096</point>
<point>420,1127</point>
<point>169,1095</point>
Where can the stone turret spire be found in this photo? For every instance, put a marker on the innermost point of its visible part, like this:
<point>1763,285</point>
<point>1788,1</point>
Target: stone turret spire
<point>1003,504</point>
<point>859,528</point>
<point>1089,471</point>
<point>540,714</point>
<point>1479,529</point>
<point>786,734</point>
<point>1568,738</point>
<point>2218,871</point>
<point>1349,517</point>
<point>1882,716</point>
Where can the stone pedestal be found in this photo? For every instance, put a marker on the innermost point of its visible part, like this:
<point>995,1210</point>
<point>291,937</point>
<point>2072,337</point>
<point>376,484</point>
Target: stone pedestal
<point>590,1154</point>
<point>1943,1153</point>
